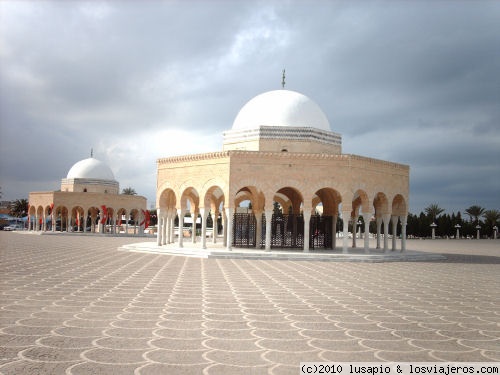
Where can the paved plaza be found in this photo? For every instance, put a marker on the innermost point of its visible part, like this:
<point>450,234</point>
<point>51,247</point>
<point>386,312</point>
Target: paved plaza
<point>76,305</point>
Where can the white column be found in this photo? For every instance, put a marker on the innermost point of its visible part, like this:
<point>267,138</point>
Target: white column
<point>159,232</point>
<point>215,220</point>
<point>181,227</point>
<point>354,231</point>
<point>403,232</point>
<point>229,231</point>
<point>167,228</point>
<point>269,216</point>
<point>307,219</point>
<point>204,215</point>
<point>142,219</point>
<point>345,219</point>
<point>379,229</point>
<point>258,229</point>
<point>224,227</point>
<point>366,218</point>
<point>386,219</point>
<point>193,227</point>
<point>334,231</point>
<point>394,220</point>
<point>171,228</point>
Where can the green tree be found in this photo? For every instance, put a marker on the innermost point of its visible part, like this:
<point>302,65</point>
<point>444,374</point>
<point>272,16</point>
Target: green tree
<point>129,191</point>
<point>475,212</point>
<point>433,211</point>
<point>19,208</point>
<point>491,218</point>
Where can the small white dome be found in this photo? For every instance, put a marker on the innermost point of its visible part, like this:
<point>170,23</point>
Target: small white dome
<point>281,108</point>
<point>91,169</point>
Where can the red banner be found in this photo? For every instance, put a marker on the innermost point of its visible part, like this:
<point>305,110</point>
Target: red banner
<point>147,219</point>
<point>104,214</point>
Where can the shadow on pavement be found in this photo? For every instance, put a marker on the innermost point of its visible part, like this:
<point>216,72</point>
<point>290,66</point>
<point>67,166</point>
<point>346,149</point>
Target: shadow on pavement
<point>470,259</point>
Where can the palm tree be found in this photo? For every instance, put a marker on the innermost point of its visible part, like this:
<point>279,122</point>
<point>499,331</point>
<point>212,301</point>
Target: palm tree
<point>19,208</point>
<point>491,217</point>
<point>129,191</point>
<point>434,211</point>
<point>475,212</point>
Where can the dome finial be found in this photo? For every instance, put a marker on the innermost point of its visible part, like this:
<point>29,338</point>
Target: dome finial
<point>283,79</point>
<point>92,152</point>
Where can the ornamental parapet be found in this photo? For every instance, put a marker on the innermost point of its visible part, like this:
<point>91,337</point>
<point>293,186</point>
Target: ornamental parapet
<point>305,134</point>
<point>351,159</point>
<point>89,181</point>
<point>193,157</point>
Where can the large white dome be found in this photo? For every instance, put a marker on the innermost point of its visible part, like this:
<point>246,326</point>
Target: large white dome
<point>91,169</point>
<point>281,108</point>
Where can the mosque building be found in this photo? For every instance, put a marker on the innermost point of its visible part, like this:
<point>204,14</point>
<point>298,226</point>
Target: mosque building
<point>89,201</point>
<point>282,181</point>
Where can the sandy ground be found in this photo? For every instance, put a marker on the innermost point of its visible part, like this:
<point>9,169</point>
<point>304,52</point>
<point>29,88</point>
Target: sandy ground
<point>470,247</point>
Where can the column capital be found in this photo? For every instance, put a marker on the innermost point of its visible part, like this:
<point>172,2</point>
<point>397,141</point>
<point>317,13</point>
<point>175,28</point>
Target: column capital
<point>346,214</point>
<point>386,218</point>
<point>367,216</point>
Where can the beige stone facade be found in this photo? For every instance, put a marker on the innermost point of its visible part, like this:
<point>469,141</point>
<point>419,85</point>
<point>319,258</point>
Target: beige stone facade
<point>89,201</point>
<point>276,185</point>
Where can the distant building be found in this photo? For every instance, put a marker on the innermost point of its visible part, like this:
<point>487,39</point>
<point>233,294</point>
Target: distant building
<point>282,160</point>
<point>89,200</point>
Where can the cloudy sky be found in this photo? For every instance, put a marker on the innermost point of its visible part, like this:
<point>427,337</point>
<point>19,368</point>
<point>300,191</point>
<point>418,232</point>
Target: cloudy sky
<point>412,82</point>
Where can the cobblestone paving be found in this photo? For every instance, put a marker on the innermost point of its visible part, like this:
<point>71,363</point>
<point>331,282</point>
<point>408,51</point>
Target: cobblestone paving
<point>75,305</point>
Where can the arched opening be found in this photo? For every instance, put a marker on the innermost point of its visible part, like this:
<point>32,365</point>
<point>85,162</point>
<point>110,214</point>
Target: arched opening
<point>40,218</point>
<point>381,204</point>
<point>133,220</point>
<point>247,218</point>
<point>121,220</point>
<point>399,206</point>
<point>214,204</point>
<point>382,216</point>
<point>31,217</point>
<point>48,217</point>
<point>92,220</point>
<point>78,219</point>
<point>61,219</point>
<point>190,209</point>
<point>323,222</point>
<point>287,222</point>
<point>167,200</point>
<point>110,220</point>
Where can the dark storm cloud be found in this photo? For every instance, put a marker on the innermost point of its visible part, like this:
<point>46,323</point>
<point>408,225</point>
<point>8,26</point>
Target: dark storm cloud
<point>412,82</point>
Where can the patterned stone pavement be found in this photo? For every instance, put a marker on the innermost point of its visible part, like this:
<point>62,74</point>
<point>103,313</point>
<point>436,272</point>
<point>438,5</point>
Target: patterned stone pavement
<point>76,305</point>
